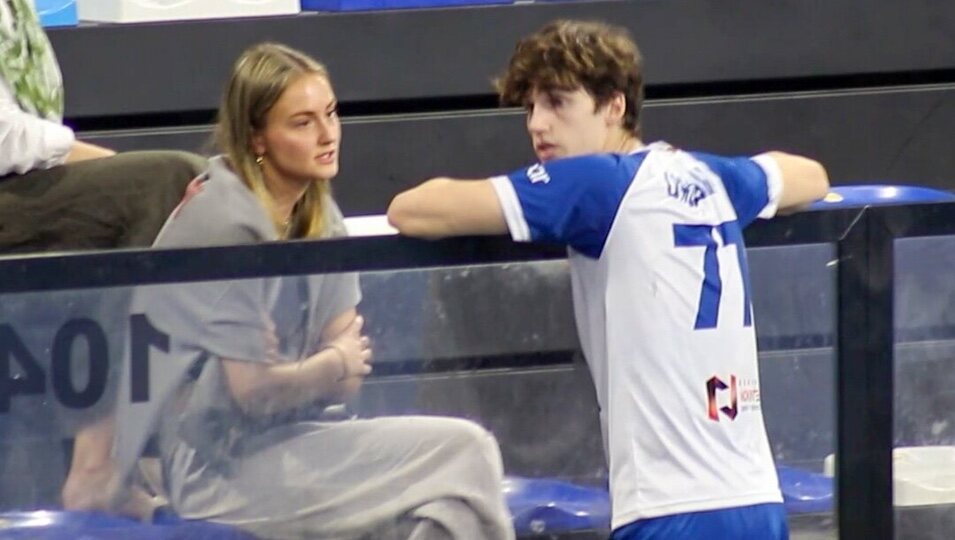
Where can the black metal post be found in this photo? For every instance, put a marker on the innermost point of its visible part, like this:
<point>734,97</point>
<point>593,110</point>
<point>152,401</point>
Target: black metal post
<point>864,381</point>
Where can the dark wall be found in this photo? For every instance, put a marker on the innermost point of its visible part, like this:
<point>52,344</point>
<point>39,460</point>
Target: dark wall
<point>131,69</point>
<point>898,135</point>
<point>866,88</point>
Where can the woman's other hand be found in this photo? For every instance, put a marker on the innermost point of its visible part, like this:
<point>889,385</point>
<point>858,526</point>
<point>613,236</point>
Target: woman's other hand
<point>354,353</point>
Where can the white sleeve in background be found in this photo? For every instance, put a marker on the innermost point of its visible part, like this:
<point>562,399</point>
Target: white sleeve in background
<point>28,142</point>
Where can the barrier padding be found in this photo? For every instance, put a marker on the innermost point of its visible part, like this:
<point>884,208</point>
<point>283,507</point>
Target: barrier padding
<point>875,194</point>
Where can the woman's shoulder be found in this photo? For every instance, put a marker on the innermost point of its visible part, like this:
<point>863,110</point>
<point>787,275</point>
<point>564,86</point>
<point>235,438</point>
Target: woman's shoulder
<point>220,210</point>
<point>334,221</point>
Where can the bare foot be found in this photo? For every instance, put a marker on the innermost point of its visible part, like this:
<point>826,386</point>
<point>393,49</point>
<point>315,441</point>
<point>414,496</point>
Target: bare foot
<point>90,489</point>
<point>98,490</point>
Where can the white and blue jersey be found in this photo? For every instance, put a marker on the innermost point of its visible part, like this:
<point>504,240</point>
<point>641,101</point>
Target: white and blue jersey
<point>661,299</point>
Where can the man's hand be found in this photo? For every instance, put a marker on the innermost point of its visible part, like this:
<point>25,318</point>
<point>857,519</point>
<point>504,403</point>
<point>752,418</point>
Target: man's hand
<point>82,151</point>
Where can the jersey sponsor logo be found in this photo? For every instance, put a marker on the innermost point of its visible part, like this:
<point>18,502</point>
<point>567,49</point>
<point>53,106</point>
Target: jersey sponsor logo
<point>740,395</point>
<point>537,174</point>
<point>689,188</point>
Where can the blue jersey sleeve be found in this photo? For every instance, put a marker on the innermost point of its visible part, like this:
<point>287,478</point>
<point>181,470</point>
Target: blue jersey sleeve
<point>746,184</point>
<point>574,201</point>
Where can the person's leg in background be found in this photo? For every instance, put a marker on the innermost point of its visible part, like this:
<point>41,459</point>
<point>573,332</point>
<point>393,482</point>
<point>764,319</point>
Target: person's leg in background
<point>119,201</point>
<point>115,202</point>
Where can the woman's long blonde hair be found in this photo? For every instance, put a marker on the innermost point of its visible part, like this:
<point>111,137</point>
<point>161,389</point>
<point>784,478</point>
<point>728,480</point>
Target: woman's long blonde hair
<point>260,76</point>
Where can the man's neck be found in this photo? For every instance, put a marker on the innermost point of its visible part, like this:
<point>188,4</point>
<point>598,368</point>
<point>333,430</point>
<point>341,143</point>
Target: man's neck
<point>622,142</point>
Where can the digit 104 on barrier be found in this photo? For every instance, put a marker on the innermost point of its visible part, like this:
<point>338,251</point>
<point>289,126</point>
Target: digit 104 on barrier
<point>23,373</point>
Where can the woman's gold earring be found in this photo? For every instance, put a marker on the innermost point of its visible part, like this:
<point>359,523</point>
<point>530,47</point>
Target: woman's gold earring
<point>259,160</point>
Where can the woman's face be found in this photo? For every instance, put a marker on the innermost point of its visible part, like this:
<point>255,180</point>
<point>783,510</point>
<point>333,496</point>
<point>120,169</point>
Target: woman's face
<point>299,142</point>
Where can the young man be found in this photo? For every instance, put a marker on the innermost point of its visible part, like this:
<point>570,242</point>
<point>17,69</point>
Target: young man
<point>659,279</point>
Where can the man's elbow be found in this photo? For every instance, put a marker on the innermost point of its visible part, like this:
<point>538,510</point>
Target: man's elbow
<point>805,181</point>
<point>400,214</point>
<point>404,215</point>
<point>821,177</point>
<point>819,180</point>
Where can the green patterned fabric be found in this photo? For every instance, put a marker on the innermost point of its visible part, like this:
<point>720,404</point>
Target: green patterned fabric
<point>27,62</point>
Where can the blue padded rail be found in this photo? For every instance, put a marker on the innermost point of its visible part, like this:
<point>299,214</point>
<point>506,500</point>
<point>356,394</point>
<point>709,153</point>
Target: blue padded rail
<point>875,194</point>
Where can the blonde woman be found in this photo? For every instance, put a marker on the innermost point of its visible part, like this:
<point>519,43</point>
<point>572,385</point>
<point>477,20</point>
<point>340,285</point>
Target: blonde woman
<point>260,358</point>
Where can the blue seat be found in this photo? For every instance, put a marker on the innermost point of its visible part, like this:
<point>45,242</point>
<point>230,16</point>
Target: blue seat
<point>63,525</point>
<point>537,505</point>
<point>805,492</point>
<point>57,12</point>
<point>864,195</point>
<point>547,506</point>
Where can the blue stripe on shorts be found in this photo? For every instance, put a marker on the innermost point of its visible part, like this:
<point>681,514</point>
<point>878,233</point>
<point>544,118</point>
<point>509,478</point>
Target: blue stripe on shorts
<point>761,521</point>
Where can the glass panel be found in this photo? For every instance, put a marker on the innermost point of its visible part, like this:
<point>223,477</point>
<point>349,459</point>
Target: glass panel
<point>214,426</point>
<point>794,301</point>
<point>924,454</point>
<point>496,344</point>
<point>212,434</point>
<point>59,351</point>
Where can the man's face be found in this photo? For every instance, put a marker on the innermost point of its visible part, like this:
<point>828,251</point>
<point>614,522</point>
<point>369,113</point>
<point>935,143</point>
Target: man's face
<point>565,123</point>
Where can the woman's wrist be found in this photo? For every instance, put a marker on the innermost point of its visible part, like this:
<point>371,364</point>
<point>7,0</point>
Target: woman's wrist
<point>342,363</point>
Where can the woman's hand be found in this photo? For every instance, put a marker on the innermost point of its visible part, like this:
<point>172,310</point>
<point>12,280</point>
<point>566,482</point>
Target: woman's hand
<point>354,353</point>
<point>333,374</point>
